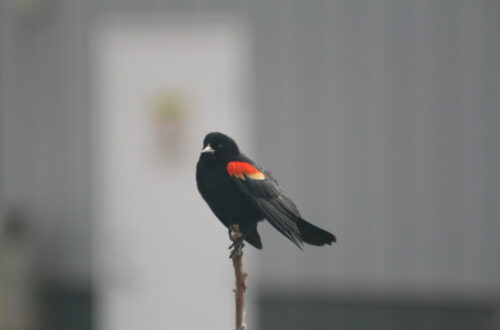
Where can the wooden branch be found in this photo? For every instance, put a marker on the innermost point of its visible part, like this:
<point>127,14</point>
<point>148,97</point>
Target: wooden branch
<point>240,276</point>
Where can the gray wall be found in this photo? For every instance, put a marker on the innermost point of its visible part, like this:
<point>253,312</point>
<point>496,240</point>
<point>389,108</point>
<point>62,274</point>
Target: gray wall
<point>44,130</point>
<point>379,117</point>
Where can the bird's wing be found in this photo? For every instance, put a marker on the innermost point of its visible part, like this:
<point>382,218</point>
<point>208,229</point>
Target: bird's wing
<point>267,196</point>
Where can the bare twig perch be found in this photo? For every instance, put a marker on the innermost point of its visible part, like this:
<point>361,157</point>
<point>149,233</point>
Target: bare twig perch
<point>239,292</point>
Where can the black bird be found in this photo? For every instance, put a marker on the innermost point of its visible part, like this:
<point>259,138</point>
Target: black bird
<point>240,192</point>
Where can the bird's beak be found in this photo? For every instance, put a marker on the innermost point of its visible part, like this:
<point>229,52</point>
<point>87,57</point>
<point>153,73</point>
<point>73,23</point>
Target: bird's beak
<point>208,149</point>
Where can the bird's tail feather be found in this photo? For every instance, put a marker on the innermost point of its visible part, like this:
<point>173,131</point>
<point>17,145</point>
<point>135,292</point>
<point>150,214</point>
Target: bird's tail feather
<point>314,235</point>
<point>253,238</point>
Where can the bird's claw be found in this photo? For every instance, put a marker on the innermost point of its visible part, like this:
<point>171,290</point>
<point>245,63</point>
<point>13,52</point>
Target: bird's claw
<point>237,252</point>
<point>238,243</point>
<point>237,237</point>
<point>237,247</point>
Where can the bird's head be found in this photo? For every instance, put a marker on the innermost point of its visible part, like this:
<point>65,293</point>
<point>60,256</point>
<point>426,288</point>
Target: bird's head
<point>219,146</point>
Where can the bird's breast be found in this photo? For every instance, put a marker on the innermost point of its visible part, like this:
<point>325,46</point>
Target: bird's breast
<point>222,195</point>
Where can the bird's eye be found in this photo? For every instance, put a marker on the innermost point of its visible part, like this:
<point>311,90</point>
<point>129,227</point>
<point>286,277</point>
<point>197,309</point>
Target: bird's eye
<point>219,146</point>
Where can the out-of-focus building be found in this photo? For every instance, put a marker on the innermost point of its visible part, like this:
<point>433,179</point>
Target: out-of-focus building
<point>380,119</point>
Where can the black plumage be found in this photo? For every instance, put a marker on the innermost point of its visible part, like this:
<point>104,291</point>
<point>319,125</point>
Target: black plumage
<point>238,191</point>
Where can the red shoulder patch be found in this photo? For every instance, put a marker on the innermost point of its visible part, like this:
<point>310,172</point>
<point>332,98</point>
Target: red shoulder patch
<point>242,170</point>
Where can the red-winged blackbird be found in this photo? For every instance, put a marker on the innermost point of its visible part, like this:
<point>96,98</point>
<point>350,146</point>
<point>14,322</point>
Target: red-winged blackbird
<point>240,192</point>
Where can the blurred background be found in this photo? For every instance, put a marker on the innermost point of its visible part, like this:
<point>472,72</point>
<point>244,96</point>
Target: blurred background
<point>379,118</point>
